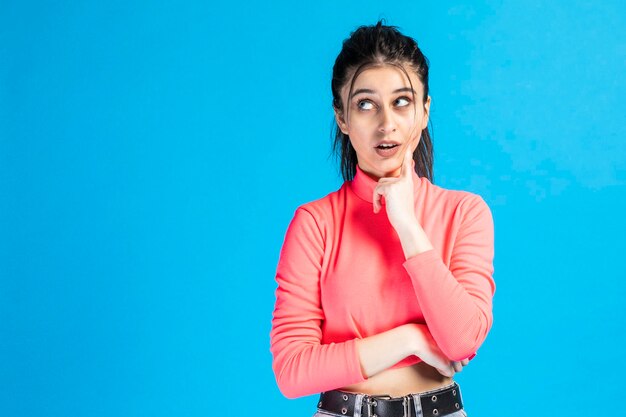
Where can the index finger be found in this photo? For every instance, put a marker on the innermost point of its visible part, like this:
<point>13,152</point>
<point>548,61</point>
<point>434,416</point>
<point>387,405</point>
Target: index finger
<point>407,163</point>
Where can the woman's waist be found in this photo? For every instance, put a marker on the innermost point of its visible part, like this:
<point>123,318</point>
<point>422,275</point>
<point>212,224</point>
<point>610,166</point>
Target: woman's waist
<point>401,380</point>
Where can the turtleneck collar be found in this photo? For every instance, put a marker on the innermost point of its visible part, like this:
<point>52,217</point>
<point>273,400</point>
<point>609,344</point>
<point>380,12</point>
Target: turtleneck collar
<point>363,185</point>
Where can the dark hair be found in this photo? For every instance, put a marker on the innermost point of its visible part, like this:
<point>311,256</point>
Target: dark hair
<point>374,46</point>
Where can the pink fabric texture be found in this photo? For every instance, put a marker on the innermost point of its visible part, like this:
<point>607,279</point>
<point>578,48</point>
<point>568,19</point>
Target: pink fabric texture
<point>342,276</point>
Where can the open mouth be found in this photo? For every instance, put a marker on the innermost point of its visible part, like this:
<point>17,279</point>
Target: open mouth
<point>387,150</point>
<point>387,145</point>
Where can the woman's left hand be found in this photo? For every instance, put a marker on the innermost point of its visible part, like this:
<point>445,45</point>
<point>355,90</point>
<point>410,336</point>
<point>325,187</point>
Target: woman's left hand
<point>398,193</point>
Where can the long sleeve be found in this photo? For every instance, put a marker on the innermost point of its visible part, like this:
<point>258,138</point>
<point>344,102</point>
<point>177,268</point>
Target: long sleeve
<point>301,364</point>
<point>457,301</point>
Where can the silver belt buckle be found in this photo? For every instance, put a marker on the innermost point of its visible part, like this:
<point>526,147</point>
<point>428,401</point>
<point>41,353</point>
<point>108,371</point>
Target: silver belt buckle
<point>405,403</point>
<point>370,401</point>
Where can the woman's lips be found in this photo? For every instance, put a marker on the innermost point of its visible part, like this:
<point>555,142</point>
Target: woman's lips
<point>387,151</point>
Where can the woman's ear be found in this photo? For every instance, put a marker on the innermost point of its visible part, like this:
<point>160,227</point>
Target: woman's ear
<point>340,121</point>
<point>426,113</point>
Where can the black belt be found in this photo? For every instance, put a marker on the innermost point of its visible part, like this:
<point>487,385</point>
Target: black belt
<point>434,403</point>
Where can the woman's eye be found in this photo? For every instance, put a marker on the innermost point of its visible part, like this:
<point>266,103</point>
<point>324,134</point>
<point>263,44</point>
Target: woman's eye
<point>403,101</point>
<point>364,105</point>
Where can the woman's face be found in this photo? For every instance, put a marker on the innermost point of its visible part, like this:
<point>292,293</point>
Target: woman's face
<point>381,110</point>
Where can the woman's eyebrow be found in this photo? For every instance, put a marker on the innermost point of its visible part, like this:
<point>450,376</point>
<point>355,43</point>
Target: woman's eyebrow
<point>368,91</point>
<point>363,91</point>
<point>409,89</point>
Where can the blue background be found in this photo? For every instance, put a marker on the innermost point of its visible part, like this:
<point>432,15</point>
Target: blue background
<point>152,155</point>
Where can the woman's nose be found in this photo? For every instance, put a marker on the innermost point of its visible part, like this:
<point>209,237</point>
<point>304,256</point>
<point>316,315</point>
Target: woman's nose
<point>387,123</point>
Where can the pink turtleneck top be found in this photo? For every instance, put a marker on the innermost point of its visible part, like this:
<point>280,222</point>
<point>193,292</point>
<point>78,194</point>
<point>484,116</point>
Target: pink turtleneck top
<point>342,276</point>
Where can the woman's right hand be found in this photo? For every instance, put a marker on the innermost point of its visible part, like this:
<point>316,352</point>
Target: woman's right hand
<point>427,350</point>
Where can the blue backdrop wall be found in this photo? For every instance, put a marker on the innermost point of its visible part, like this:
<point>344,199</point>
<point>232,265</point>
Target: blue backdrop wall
<point>152,155</point>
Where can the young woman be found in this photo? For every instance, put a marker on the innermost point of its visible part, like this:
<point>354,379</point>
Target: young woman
<point>385,286</point>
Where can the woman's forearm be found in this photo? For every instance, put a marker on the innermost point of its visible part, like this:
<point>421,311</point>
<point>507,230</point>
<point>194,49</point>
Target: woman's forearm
<point>413,239</point>
<point>384,350</point>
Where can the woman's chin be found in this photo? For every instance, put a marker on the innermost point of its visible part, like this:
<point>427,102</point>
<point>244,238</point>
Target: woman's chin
<point>391,169</point>
<point>386,168</point>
